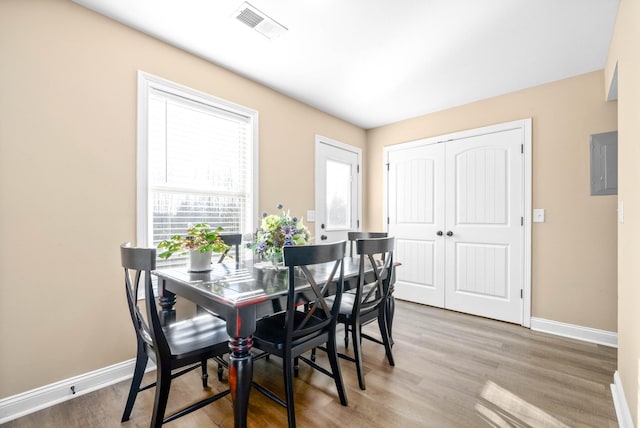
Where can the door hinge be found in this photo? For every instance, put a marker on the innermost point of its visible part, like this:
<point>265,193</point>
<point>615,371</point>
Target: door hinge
<point>521,148</point>
<point>358,224</point>
<point>358,169</point>
<point>521,293</point>
<point>521,221</point>
<point>387,164</point>
<point>387,220</point>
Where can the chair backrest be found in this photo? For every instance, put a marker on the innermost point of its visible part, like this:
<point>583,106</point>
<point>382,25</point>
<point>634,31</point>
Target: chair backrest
<point>232,240</point>
<point>352,237</point>
<point>138,264</point>
<point>321,315</point>
<point>373,289</point>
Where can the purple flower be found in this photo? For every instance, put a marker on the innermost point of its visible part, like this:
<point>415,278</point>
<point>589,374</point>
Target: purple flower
<point>294,219</point>
<point>279,206</point>
<point>264,214</point>
<point>287,231</point>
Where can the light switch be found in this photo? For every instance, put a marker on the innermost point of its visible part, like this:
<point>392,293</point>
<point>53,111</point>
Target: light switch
<point>538,215</point>
<point>311,215</point>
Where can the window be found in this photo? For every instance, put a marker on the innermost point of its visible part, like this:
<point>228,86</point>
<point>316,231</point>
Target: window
<point>196,162</point>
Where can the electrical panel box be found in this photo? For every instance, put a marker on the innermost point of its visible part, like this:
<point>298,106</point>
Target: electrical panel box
<point>604,163</point>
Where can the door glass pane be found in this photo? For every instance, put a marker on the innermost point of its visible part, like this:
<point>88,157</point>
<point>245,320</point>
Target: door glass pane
<point>338,195</point>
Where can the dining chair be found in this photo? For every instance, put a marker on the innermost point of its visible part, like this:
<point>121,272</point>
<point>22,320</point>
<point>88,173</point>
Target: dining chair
<point>176,349</point>
<point>309,319</point>
<point>233,240</point>
<point>352,237</point>
<point>369,301</point>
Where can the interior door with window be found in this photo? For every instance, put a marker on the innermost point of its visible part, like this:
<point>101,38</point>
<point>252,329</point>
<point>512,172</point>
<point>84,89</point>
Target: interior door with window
<point>337,190</point>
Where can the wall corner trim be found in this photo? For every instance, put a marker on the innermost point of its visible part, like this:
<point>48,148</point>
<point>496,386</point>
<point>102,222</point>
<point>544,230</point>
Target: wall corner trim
<point>620,402</point>
<point>40,398</point>
<point>572,331</point>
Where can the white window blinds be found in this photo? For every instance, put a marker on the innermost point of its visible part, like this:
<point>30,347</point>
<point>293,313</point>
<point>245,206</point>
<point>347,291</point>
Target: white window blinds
<point>200,166</point>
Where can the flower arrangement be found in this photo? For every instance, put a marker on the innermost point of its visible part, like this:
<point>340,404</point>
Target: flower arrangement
<point>277,231</point>
<point>200,237</point>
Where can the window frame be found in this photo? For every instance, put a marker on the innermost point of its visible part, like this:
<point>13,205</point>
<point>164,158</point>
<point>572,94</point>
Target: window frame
<point>148,82</point>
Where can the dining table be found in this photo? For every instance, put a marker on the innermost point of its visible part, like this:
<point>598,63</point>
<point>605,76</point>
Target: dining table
<point>241,293</point>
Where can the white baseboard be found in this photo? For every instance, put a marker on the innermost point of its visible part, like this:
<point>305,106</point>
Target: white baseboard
<point>620,402</point>
<point>573,331</point>
<point>37,399</point>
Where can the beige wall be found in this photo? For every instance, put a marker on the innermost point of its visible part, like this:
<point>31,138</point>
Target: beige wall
<point>67,182</point>
<point>625,51</point>
<point>574,251</point>
<point>67,178</point>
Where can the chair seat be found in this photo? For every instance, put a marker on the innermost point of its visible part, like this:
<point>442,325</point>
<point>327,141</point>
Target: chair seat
<point>270,332</point>
<point>197,335</point>
<point>346,309</point>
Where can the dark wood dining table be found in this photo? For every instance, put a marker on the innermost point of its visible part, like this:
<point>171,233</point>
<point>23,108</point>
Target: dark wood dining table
<point>241,293</point>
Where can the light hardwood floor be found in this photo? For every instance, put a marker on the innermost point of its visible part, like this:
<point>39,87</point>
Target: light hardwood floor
<point>452,370</point>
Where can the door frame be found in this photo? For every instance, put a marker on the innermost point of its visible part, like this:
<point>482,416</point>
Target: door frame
<point>525,126</point>
<point>319,139</point>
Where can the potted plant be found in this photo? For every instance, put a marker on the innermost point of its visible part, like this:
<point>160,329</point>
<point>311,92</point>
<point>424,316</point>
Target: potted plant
<point>277,231</point>
<point>200,242</point>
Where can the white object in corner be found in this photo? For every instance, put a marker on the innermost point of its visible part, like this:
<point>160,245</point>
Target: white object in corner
<point>620,402</point>
<point>46,396</point>
<point>573,331</point>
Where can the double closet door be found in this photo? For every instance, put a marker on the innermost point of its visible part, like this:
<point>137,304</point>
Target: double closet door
<point>456,209</point>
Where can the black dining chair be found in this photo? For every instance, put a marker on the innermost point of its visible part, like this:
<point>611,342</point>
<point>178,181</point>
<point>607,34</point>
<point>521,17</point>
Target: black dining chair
<point>352,237</point>
<point>176,349</point>
<point>309,319</point>
<point>233,240</point>
<point>369,301</point>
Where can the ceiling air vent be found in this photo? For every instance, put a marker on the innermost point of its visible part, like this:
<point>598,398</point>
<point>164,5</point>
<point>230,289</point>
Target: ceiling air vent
<point>259,21</point>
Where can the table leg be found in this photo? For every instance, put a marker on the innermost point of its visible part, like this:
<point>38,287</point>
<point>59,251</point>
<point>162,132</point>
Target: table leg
<point>240,374</point>
<point>241,323</point>
<point>167,303</point>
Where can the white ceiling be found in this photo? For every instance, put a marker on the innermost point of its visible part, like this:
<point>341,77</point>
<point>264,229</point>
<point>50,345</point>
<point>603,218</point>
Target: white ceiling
<point>374,62</point>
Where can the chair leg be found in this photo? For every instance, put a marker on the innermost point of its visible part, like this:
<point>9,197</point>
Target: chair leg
<point>205,375</point>
<point>163,384</point>
<point>384,332</point>
<point>390,310</point>
<point>296,367</point>
<point>357,351</point>
<point>288,388</point>
<point>346,335</point>
<point>332,353</point>
<point>138,373</point>
<point>220,372</point>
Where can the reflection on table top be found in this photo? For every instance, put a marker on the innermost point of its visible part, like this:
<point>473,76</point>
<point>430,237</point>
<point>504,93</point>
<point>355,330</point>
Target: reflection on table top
<point>246,284</point>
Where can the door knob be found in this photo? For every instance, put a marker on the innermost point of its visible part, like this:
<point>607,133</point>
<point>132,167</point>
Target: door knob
<point>323,237</point>
<point>439,233</point>
<point>449,233</point>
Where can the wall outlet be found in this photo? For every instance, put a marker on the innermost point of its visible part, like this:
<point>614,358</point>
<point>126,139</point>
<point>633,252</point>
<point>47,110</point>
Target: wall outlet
<point>311,215</point>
